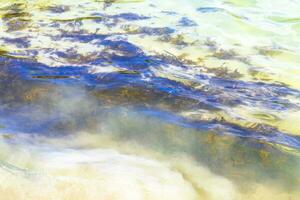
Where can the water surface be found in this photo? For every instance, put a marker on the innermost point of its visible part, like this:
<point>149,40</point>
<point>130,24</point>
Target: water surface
<point>150,99</point>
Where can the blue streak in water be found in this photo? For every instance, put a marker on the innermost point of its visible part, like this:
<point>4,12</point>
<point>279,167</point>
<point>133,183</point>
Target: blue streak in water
<point>209,9</point>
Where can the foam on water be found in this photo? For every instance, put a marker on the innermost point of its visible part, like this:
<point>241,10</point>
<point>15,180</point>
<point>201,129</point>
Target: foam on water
<point>59,171</point>
<point>65,173</point>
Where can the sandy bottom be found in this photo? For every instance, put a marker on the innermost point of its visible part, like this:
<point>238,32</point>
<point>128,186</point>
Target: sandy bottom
<point>55,170</point>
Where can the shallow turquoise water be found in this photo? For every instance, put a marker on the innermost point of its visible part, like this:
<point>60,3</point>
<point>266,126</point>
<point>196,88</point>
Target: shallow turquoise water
<point>174,100</point>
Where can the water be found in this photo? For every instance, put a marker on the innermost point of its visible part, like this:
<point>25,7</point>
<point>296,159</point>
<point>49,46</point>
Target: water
<point>149,99</point>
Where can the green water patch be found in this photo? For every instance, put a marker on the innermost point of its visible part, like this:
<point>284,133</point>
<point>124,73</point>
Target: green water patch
<point>266,117</point>
<point>242,3</point>
<point>284,19</point>
<point>296,27</point>
<point>239,159</point>
<point>145,97</point>
<point>15,91</point>
<point>259,75</point>
<point>16,17</point>
<point>77,19</point>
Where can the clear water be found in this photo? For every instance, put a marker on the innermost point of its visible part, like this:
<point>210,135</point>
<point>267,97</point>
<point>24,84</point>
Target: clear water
<point>150,99</point>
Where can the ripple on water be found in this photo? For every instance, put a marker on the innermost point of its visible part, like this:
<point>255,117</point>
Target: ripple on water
<point>196,103</point>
